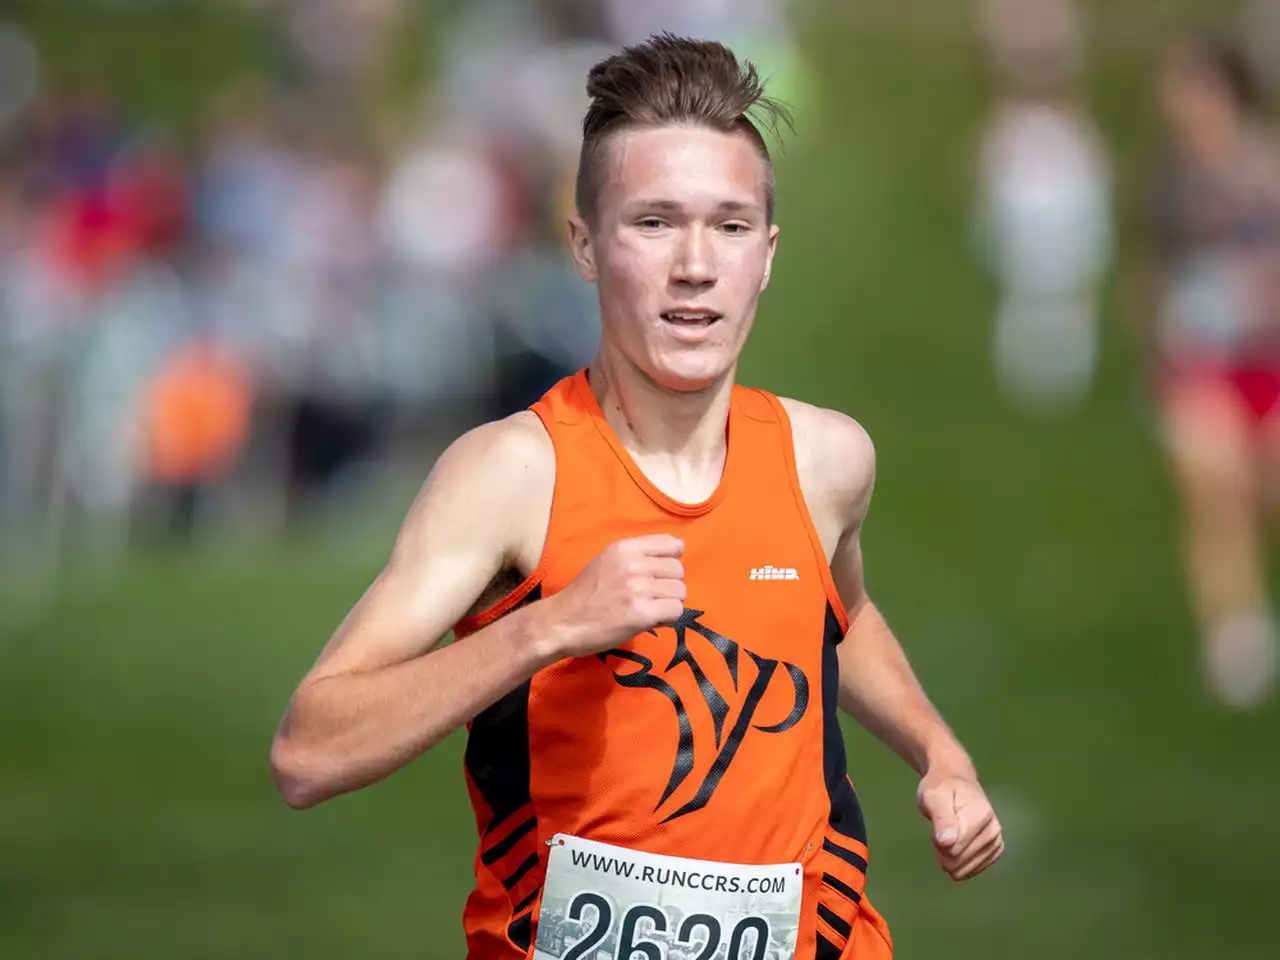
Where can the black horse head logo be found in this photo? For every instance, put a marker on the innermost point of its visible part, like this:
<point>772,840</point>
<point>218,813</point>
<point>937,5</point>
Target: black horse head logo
<point>726,746</point>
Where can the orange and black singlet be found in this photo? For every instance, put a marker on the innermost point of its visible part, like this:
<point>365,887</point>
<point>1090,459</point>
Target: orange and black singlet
<point>713,740</point>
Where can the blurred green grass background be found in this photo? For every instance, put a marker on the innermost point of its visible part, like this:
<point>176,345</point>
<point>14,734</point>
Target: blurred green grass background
<point>1028,566</point>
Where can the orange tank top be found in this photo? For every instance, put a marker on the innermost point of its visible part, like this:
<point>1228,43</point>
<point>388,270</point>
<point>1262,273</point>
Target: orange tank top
<point>715,738</point>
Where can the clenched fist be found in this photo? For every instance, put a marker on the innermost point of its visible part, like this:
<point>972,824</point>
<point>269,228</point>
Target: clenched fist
<point>633,586</point>
<point>966,834</point>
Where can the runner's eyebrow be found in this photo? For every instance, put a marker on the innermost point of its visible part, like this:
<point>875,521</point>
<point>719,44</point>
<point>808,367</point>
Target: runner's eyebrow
<point>730,207</point>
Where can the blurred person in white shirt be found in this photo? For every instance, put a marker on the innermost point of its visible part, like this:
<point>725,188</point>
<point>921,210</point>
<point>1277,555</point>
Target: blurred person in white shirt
<point>1044,206</point>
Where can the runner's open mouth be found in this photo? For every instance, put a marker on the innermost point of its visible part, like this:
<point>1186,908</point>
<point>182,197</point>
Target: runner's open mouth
<point>691,318</point>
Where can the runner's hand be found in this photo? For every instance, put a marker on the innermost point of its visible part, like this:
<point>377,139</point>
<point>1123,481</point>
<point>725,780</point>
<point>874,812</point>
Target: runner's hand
<point>632,586</point>
<point>966,833</point>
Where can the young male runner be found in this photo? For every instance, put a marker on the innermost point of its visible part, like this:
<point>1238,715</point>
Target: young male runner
<point>655,581</point>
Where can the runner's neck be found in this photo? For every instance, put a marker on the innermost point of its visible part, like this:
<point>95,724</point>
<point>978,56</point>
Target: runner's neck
<point>682,434</point>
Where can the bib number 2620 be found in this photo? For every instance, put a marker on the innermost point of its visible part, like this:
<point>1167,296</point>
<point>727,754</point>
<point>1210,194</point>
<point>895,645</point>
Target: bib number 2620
<point>645,930</point>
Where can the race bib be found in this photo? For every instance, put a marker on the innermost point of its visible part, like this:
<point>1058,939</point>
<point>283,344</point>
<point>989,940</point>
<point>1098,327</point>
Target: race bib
<point>602,902</point>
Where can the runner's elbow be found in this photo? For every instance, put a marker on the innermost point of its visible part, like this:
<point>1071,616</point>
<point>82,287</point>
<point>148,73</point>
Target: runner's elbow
<point>299,775</point>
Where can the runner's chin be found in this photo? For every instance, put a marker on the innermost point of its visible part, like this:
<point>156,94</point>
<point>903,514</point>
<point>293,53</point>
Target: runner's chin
<point>687,364</point>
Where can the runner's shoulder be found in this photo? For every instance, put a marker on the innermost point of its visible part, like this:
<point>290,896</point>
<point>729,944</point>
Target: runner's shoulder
<point>490,491</point>
<point>835,457</point>
<point>506,460</point>
<point>827,433</point>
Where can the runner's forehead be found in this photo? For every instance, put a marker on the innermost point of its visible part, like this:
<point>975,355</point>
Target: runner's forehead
<point>691,167</point>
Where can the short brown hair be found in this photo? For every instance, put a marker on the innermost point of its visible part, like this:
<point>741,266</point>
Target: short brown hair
<point>672,80</point>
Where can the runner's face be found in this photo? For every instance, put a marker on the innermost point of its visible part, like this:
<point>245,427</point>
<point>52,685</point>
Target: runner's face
<point>681,250</point>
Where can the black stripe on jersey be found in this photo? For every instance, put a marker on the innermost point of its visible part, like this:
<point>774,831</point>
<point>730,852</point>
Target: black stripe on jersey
<point>524,868</point>
<point>502,848</point>
<point>526,902</point>
<point>846,812</point>
<point>497,756</point>
<point>848,856</point>
<point>835,922</point>
<point>839,886</point>
<point>520,932</point>
<point>827,950</point>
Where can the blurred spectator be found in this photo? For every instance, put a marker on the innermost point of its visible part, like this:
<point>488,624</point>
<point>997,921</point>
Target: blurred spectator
<point>19,72</point>
<point>78,227</point>
<point>240,326</point>
<point>1216,348</point>
<point>1260,30</point>
<point>547,315</point>
<point>195,423</point>
<point>1044,205</point>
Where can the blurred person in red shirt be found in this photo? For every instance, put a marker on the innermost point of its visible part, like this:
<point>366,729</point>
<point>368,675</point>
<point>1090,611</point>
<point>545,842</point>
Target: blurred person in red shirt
<point>1215,346</point>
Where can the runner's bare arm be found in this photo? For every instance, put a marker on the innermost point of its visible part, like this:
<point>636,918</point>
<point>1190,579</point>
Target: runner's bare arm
<point>836,462</point>
<point>380,693</point>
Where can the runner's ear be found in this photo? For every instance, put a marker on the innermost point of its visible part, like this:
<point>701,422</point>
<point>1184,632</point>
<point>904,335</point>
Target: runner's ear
<point>580,245</point>
<point>768,264</point>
